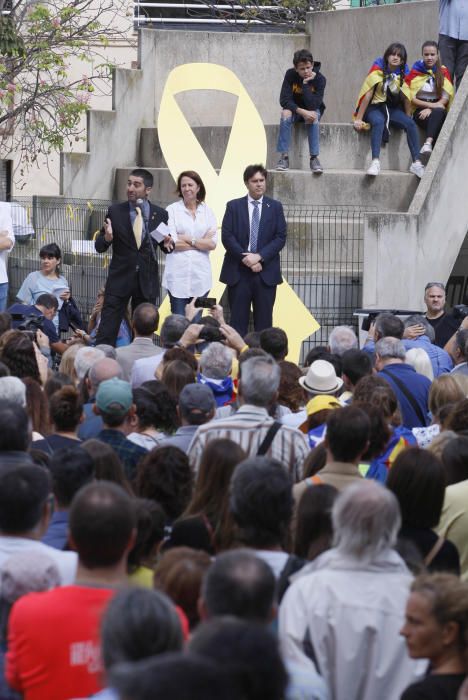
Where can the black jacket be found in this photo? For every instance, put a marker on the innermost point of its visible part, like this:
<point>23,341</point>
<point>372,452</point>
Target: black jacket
<point>293,94</point>
<point>126,257</point>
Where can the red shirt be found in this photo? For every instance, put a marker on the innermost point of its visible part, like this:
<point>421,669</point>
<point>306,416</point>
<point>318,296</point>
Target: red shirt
<point>53,643</point>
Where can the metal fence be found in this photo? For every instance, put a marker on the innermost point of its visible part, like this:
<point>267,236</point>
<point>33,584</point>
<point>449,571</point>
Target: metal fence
<point>322,260</point>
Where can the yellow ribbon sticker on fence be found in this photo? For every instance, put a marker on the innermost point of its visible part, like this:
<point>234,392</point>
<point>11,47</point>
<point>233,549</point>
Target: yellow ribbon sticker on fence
<point>247,144</point>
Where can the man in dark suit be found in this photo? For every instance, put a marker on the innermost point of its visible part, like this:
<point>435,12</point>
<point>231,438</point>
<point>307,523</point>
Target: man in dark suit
<point>133,272</point>
<point>253,233</point>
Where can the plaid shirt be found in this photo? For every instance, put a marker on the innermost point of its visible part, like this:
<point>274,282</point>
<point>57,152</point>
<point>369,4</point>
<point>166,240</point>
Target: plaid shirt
<point>248,428</point>
<point>129,453</point>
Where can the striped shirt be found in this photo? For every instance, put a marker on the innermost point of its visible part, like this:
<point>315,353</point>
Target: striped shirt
<point>248,428</point>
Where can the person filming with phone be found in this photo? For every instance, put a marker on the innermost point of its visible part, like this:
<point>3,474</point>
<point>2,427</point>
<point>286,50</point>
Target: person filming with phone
<point>192,224</point>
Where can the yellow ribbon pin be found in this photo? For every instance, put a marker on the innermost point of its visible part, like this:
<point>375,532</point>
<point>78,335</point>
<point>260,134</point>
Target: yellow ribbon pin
<point>247,144</point>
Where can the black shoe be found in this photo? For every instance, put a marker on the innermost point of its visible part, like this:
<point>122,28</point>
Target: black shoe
<point>315,165</point>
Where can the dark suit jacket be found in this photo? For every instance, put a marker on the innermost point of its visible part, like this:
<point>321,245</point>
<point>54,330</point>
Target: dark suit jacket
<point>235,237</point>
<point>126,257</point>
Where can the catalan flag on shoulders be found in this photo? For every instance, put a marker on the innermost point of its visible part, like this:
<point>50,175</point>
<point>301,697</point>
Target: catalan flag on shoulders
<point>377,75</point>
<point>420,73</point>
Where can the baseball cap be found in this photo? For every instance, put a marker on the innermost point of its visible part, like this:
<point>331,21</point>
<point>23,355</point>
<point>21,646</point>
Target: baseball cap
<point>320,403</point>
<point>196,398</point>
<point>114,396</point>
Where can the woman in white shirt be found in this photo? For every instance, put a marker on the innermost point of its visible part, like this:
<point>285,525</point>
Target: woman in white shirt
<point>187,272</point>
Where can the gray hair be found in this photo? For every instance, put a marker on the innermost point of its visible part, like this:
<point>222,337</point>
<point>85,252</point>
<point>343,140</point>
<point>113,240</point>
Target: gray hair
<point>420,360</point>
<point>366,519</point>
<point>173,329</point>
<point>85,358</point>
<point>216,361</point>
<point>24,572</point>
<point>107,368</point>
<point>260,378</point>
<point>419,320</point>
<point>27,572</point>
<point>12,389</point>
<point>341,339</point>
<point>108,350</point>
<point>390,348</point>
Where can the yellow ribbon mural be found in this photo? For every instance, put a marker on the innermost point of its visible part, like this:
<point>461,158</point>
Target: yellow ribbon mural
<point>247,144</point>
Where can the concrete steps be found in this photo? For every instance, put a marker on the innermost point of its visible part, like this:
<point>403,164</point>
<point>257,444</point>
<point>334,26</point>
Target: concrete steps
<point>341,147</point>
<point>390,191</point>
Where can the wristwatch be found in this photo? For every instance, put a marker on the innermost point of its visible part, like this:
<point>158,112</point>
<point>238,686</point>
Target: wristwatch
<point>192,242</point>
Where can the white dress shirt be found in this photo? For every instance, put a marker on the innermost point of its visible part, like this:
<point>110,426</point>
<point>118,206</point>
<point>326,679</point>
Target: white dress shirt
<point>187,273</point>
<point>6,224</point>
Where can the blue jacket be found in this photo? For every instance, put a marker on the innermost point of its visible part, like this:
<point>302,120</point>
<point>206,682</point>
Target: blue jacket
<point>440,359</point>
<point>235,237</point>
<point>417,385</point>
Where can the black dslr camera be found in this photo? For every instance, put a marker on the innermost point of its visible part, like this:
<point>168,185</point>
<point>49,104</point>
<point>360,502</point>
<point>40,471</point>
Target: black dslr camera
<point>460,311</point>
<point>29,325</point>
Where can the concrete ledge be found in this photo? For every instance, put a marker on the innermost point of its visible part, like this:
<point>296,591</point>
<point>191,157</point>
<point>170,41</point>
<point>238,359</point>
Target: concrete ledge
<point>390,191</point>
<point>341,147</point>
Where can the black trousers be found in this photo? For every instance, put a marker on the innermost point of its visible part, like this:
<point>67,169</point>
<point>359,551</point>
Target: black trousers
<point>113,312</point>
<point>433,124</point>
<point>251,290</point>
<point>454,55</point>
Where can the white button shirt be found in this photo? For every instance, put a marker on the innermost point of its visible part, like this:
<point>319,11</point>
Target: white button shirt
<point>6,224</point>
<point>187,273</point>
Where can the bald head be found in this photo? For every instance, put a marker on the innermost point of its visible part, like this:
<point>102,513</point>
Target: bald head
<point>107,368</point>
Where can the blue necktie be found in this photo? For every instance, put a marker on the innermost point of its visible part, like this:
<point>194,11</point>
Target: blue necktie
<point>255,223</point>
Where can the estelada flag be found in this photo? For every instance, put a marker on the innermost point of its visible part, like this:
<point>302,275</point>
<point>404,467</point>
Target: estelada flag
<point>377,75</point>
<point>420,73</point>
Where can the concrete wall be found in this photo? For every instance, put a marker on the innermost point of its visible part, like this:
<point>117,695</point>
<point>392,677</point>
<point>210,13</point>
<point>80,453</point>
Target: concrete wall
<point>404,251</point>
<point>258,60</point>
<point>348,41</point>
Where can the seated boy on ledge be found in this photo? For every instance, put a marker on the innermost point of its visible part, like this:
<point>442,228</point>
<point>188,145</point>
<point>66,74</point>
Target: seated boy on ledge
<point>302,101</point>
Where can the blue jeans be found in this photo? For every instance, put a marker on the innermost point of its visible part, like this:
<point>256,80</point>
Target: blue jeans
<point>3,295</point>
<point>178,306</point>
<point>376,117</point>
<point>284,136</point>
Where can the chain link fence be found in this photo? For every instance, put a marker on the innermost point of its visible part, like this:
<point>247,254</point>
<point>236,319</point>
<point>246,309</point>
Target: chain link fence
<point>322,260</point>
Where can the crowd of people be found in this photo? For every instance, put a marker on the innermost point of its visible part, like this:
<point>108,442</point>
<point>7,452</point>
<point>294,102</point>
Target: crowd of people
<point>205,518</point>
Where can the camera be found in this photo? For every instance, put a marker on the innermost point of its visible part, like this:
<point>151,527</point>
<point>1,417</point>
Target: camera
<point>29,324</point>
<point>211,334</point>
<point>460,311</point>
<point>205,302</point>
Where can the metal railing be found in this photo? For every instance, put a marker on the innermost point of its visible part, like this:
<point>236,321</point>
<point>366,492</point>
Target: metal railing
<point>195,14</point>
<point>322,260</point>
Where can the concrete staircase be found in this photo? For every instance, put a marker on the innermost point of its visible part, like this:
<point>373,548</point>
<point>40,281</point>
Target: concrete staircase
<point>344,154</point>
<point>412,229</point>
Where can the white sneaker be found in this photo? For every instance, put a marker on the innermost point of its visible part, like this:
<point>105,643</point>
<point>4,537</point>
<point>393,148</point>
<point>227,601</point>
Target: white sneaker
<point>427,148</point>
<point>374,167</point>
<point>417,168</point>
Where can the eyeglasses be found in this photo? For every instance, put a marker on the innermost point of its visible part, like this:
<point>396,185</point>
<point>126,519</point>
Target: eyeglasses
<point>48,257</point>
<point>434,284</point>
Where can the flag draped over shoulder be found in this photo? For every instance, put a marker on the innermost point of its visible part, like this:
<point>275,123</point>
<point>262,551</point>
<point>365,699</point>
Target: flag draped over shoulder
<point>377,75</point>
<point>420,73</point>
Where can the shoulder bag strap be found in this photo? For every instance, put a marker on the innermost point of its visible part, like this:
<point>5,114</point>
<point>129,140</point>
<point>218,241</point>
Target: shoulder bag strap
<point>405,391</point>
<point>434,551</point>
<point>268,439</point>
